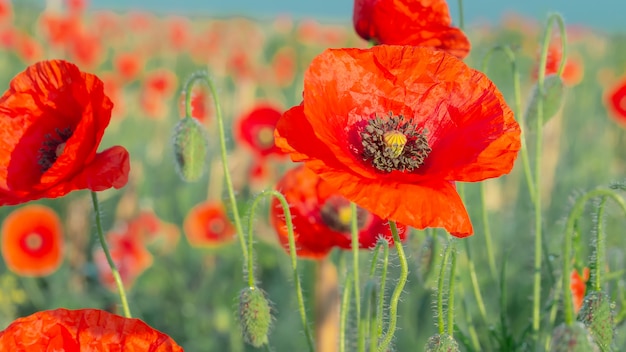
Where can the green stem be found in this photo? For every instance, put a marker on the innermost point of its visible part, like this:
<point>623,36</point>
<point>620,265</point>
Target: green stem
<point>381,297</point>
<point>374,319</point>
<point>379,245</point>
<point>354,229</point>
<point>395,297</point>
<point>461,17</point>
<point>573,216</point>
<point>440,284</point>
<point>223,151</point>
<point>107,253</point>
<point>487,230</point>
<point>294,260</point>
<point>452,246</point>
<point>475,284</point>
<point>345,304</point>
<point>600,248</point>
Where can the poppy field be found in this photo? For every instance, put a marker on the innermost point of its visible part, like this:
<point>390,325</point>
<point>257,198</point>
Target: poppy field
<point>397,181</point>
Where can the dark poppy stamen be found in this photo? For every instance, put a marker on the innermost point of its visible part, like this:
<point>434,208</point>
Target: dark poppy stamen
<point>336,214</point>
<point>53,147</point>
<point>393,143</point>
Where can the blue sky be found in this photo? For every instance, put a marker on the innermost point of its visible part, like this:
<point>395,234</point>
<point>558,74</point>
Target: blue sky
<point>602,14</point>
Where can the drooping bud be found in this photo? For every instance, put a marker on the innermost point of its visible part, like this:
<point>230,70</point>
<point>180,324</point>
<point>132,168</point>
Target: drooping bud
<point>255,316</point>
<point>552,101</point>
<point>190,149</point>
<point>574,338</point>
<point>441,343</point>
<point>598,316</point>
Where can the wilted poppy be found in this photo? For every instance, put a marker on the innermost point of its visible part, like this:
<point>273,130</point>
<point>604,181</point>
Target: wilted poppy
<point>322,217</point>
<point>129,253</point>
<point>207,225</point>
<point>52,120</point>
<point>256,129</point>
<point>83,330</point>
<point>616,101</point>
<point>578,286</point>
<point>409,22</point>
<point>393,127</point>
<point>32,241</point>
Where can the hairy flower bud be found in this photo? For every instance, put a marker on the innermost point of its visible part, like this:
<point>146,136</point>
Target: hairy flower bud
<point>597,315</point>
<point>190,149</point>
<point>255,317</point>
<point>574,338</point>
<point>441,343</point>
<point>552,101</point>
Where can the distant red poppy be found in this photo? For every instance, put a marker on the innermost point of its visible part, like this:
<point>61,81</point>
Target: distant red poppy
<point>322,217</point>
<point>207,225</point>
<point>76,7</point>
<point>83,330</point>
<point>616,101</point>
<point>32,241</point>
<point>154,232</point>
<point>179,32</point>
<point>284,66</point>
<point>6,11</point>
<point>52,119</point>
<point>393,127</point>
<point>28,48</point>
<point>161,81</point>
<point>409,22</point>
<point>256,129</point>
<point>60,29</point>
<point>200,105</point>
<point>86,49</point>
<point>578,287</point>
<point>129,254</point>
<point>572,72</point>
<point>128,65</point>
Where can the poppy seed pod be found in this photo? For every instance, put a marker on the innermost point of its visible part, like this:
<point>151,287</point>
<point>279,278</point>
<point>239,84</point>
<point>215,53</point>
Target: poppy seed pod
<point>190,149</point>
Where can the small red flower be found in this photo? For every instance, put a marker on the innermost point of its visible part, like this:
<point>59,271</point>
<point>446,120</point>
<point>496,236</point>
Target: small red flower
<point>129,253</point>
<point>321,217</point>
<point>578,287</point>
<point>207,225</point>
<point>572,72</point>
<point>616,101</point>
<point>128,65</point>
<point>83,330</point>
<point>409,22</point>
<point>393,127</point>
<point>52,120</point>
<point>32,241</point>
<point>200,106</point>
<point>256,129</point>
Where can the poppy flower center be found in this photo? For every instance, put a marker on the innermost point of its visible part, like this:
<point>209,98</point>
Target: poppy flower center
<point>216,226</point>
<point>337,215</point>
<point>394,143</point>
<point>265,136</point>
<point>33,241</point>
<point>53,147</point>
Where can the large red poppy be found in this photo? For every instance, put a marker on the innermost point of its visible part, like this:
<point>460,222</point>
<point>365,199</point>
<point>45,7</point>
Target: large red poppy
<point>52,120</point>
<point>409,22</point>
<point>83,330</point>
<point>322,217</point>
<point>393,127</point>
<point>207,225</point>
<point>32,241</point>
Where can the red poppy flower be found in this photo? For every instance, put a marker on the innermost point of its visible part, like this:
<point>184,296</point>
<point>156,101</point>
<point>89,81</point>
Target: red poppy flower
<point>256,129</point>
<point>207,225</point>
<point>129,254</point>
<point>83,330</point>
<point>578,287</point>
<point>322,217</point>
<point>52,119</point>
<point>161,82</point>
<point>32,241</point>
<point>393,127</point>
<point>409,22</point>
<point>572,72</point>
<point>200,106</point>
<point>151,230</point>
<point>284,66</point>
<point>6,11</point>
<point>128,65</point>
<point>616,101</point>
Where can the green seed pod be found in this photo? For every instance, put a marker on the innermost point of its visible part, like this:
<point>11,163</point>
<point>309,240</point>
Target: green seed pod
<point>574,338</point>
<point>441,343</point>
<point>255,316</point>
<point>190,149</point>
<point>552,101</point>
<point>598,316</point>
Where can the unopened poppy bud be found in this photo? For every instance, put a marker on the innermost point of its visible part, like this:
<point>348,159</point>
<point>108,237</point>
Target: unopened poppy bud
<point>190,149</point>
<point>254,316</point>
<point>572,338</point>
<point>552,101</point>
<point>441,343</point>
<point>597,315</point>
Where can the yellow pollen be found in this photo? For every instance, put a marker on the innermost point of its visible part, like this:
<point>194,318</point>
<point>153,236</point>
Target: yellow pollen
<point>266,136</point>
<point>344,214</point>
<point>33,241</point>
<point>60,149</point>
<point>395,141</point>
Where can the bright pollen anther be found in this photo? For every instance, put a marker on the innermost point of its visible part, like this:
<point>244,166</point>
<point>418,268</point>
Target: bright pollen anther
<point>395,141</point>
<point>345,215</point>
